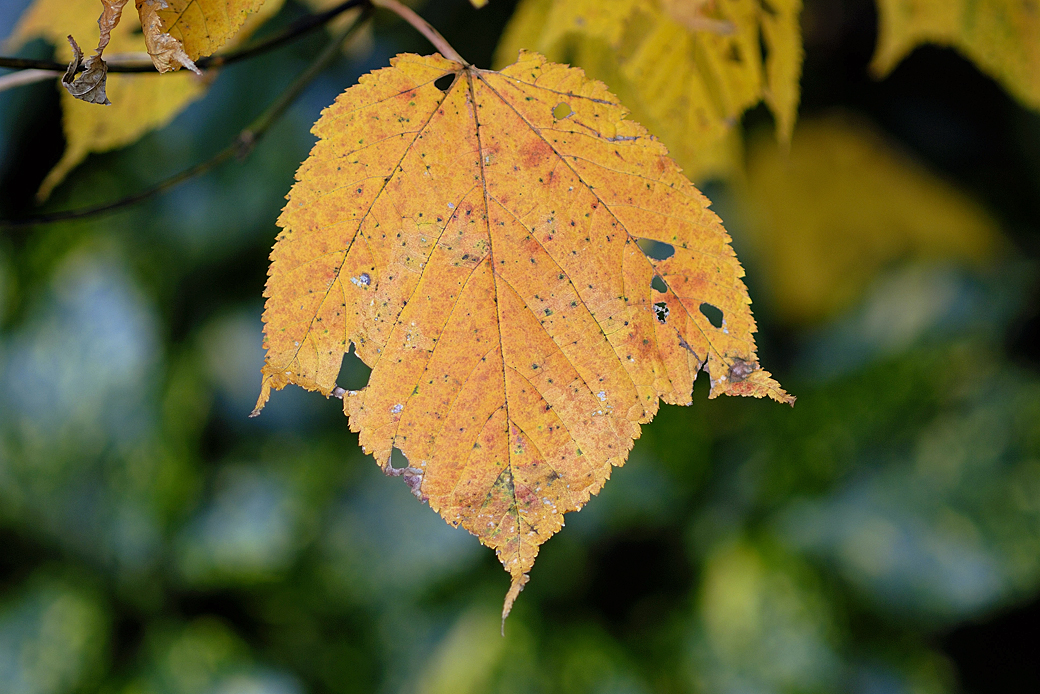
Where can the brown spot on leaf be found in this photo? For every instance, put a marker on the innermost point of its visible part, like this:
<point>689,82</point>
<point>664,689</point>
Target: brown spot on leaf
<point>534,152</point>
<point>741,369</point>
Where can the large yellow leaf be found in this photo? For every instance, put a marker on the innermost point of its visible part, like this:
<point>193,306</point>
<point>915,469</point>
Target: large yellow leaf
<point>687,68</point>
<point>841,205</point>
<point>140,102</point>
<point>479,247</point>
<point>1002,37</point>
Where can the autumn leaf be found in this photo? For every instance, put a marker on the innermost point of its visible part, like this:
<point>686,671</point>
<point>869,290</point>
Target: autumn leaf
<point>1002,37</point>
<point>479,246</point>
<point>842,204</point>
<point>89,85</point>
<point>201,26</point>
<point>167,53</point>
<point>140,102</point>
<point>687,68</point>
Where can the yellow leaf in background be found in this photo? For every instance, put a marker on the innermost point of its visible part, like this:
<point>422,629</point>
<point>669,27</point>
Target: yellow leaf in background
<point>140,102</point>
<point>203,26</point>
<point>479,247</point>
<point>688,69</point>
<point>840,206</point>
<point>1002,37</point>
<point>53,20</point>
<point>782,36</point>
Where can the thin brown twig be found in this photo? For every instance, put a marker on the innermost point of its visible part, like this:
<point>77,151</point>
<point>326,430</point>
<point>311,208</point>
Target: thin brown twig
<point>290,33</point>
<point>24,77</point>
<point>424,28</point>
<point>240,147</point>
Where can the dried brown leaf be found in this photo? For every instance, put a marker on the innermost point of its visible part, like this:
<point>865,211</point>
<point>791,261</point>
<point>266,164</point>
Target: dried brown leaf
<point>89,85</point>
<point>167,53</point>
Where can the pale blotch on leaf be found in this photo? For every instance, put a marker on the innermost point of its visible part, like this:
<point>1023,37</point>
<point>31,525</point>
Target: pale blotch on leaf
<point>516,338</point>
<point>693,14</point>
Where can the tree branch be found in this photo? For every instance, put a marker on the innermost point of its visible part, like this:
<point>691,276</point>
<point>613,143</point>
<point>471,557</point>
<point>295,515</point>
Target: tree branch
<point>290,33</point>
<point>240,147</point>
<point>24,77</point>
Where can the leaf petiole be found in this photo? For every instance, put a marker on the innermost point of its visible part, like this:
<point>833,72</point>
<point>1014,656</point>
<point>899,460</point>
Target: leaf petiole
<point>424,28</point>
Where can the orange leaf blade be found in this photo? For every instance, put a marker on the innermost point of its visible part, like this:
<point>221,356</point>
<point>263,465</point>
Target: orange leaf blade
<point>479,247</point>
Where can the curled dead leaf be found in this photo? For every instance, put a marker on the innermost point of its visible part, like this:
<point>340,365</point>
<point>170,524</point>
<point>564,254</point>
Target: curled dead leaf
<point>88,85</point>
<point>167,53</point>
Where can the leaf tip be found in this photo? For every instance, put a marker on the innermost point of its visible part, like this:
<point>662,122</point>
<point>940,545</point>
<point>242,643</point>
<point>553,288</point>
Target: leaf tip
<point>519,581</point>
<point>265,395</point>
<point>167,53</point>
<point>758,383</point>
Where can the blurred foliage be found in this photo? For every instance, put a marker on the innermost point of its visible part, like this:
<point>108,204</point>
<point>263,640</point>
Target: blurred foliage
<point>686,69</point>
<point>141,104</point>
<point>879,537</point>
<point>1000,36</point>
<point>844,203</point>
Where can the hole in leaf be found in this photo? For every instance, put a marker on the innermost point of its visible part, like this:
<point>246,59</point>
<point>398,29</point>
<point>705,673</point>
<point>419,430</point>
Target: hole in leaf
<point>562,110</point>
<point>714,315</point>
<point>656,250</point>
<point>661,309</point>
<point>398,458</point>
<point>444,83</point>
<point>658,284</point>
<point>353,373</point>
